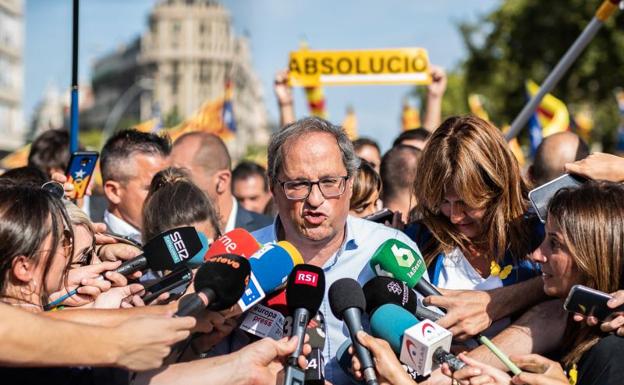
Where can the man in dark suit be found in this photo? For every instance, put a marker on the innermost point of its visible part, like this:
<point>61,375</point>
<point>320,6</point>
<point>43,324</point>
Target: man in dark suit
<point>209,163</point>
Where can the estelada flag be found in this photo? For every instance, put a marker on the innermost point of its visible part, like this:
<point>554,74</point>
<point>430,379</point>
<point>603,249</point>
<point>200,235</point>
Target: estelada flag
<point>552,113</point>
<point>209,118</point>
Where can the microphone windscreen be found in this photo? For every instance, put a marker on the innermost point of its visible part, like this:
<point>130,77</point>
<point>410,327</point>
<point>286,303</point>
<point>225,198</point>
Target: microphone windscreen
<point>238,241</point>
<point>198,258</point>
<point>305,288</point>
<point>227,275</point>
<point>272,264</point>
<point>389,322</point>
<point>383,290</point>
<point>346,293</point>
<point>167,249</point>
<point>398,260</point>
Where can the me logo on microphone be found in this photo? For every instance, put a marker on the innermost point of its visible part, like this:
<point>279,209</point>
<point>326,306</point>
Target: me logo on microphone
<point>228,243</point>
<point>428,330</point>
<point>306,278</point>
<point>177,248</point>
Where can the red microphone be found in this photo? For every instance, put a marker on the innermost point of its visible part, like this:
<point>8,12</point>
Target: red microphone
<point>238,241</point>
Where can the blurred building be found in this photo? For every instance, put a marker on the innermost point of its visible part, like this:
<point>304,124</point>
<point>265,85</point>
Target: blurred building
<point>12,129</point>
<point>182,61</point>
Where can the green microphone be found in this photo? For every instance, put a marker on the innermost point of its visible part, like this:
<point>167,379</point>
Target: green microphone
<point>397,260</point>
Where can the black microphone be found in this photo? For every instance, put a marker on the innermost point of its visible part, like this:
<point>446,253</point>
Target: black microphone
<point>219,283</point>
<point>381,290</point>
<point>315,371</point>
<point>347,302</point>
<point>304,293</point>
<point>165,251</point>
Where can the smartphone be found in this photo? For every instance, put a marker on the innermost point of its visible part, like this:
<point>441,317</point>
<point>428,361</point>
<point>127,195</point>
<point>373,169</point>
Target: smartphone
<point>380,216</point>
<point>587,301</point>
<point>180,276</point>
<point>541,196</point>
<point>80,169</point>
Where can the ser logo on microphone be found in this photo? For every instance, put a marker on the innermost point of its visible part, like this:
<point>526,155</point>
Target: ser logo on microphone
<point>177,248</point>
<point>306,278</point>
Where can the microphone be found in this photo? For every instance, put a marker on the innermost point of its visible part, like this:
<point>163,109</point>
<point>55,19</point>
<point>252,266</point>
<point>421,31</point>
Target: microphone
<point>304,293</point>
<point>347,303</point>
<point>219,283</point>
<point>397,260</point>
<point>164,251</point>
<point>199,257</point>
<point>270,267</point>
<point>383,290</point>
<point>238,241</point>
<point>423,345</point>
<point>315,371</point>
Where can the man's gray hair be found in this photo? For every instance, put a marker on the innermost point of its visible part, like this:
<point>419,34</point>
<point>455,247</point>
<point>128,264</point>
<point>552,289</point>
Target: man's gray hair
<point>304,126</point>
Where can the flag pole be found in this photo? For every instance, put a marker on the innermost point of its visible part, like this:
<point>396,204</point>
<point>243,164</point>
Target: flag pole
<point>606,9</point>
<point>73,133</point>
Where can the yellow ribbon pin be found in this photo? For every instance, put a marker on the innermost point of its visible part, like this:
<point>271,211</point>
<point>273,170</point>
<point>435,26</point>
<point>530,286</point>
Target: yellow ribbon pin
<point>496,270</point>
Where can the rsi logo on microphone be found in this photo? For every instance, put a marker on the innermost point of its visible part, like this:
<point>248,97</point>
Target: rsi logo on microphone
<point>306,278</point>
<point>177,248</point>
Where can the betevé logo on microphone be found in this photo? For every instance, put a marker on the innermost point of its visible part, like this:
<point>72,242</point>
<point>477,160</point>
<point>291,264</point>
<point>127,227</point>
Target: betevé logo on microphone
<point>306,278</point>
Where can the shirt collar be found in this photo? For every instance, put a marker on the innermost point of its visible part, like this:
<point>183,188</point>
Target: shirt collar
<point>349,243</point>
<point>231,222</point>
<point>121,227</point>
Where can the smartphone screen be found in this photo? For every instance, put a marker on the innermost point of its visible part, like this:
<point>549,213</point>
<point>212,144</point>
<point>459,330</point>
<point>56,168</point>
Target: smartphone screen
<point>541,196</point>
<point>80,169</point>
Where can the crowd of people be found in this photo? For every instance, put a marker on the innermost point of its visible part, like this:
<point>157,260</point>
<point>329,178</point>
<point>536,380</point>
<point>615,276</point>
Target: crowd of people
<point>452,190</point>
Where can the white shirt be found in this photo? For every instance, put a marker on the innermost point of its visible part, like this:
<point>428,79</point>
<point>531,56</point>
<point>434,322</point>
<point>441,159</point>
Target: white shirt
<point>457,273</point>
<point>231,222</point>
<point>121,227</point>
<point>362,238</point>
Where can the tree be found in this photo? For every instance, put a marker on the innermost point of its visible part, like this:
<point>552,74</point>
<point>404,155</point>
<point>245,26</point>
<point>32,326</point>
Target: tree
<point>524,39</point>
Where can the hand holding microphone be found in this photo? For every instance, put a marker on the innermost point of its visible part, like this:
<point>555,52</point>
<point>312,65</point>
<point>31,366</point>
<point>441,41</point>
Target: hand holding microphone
<point>389,369</point>
<point>304,293</point>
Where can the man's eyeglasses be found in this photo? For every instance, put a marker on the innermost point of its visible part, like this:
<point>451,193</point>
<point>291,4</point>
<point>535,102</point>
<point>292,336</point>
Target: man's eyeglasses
<point>331,187</point>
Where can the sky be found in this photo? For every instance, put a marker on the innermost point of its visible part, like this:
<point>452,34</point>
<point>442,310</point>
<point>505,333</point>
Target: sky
<point>274,27</point>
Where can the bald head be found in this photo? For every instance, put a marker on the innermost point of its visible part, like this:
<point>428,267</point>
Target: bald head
<point>553,153</point>
<point>203,150</point>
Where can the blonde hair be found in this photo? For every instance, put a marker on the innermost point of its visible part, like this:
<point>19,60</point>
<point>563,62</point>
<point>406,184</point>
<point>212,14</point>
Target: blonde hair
<point>469,155</point>
<point>590,220</point>
<point>77,216</point>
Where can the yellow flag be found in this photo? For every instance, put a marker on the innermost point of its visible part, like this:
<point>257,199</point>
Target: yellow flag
<point>349,124</point>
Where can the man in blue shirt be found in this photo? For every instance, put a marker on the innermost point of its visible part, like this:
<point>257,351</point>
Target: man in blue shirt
<point>311,165</point>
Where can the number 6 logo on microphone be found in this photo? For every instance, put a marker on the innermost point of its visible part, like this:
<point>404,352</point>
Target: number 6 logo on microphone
<point>404,257</point>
